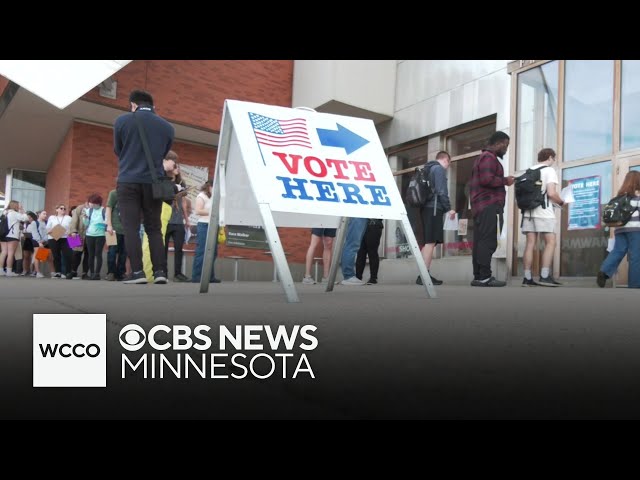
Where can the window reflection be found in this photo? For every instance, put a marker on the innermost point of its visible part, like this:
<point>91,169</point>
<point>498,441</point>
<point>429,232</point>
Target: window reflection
<point>537,112</point>
<point>588,114</point>
<point>630,106</point>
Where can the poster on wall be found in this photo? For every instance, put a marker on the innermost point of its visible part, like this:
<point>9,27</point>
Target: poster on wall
<point>194,178</point>
<point>584,212</point>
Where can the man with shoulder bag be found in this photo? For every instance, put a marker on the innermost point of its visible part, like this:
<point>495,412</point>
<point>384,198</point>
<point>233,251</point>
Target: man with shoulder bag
<point>141,140</point>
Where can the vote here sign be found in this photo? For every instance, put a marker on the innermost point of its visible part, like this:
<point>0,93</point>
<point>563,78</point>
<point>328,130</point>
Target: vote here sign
<point>306,162</point>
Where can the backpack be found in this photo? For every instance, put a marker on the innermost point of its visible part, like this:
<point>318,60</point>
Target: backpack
<point>618,211</point>
<point>528,188</point>
<point>420,189</point>
<point>4,225</point>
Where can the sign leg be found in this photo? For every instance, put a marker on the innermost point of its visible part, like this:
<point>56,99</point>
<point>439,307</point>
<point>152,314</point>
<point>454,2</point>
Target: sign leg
<point>338,246</point>
<point>277,252</point>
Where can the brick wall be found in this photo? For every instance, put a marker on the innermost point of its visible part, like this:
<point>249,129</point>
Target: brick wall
<point>192,92</point>
<point>59,175</point>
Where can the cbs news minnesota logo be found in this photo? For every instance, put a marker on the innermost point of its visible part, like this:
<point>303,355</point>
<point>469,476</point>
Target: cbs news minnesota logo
<point>69,350</point>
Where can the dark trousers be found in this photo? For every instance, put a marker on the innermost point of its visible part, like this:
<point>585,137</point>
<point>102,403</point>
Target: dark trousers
<point>80,256</point>
<point>117,257</point>
<point>95,245</point>
<point>60,248</point>
<point>175,230</point>
<point>485,240</point>
<point>369,246</point>
<point>135,201</point>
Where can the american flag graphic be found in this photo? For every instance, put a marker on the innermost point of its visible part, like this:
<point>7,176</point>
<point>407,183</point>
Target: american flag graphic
<point>280,133</point>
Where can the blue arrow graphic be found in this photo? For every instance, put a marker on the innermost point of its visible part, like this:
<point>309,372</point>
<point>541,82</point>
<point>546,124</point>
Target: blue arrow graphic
<point>341,138</point>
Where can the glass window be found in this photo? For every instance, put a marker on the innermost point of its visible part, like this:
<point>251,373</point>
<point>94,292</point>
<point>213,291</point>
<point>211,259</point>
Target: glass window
<point>470,141</point>
<point>27,187</point>
<point>630,107</point>
<point>537,112</point>
<point>588,114</point>
<point>584,240</point>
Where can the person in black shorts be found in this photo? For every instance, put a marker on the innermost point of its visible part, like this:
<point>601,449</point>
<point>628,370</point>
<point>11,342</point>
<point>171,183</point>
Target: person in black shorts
<point>324,236</point>
<point>434,210</point>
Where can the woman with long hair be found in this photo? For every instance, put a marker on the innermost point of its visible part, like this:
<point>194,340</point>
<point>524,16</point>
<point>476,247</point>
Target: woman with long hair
<point>60,247</point>
<point>627,238</point>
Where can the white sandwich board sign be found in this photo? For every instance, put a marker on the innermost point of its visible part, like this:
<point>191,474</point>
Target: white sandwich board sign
<point>290,167</point>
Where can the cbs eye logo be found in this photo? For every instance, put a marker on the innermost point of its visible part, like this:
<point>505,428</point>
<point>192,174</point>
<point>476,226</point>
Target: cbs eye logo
<point>132,337</point>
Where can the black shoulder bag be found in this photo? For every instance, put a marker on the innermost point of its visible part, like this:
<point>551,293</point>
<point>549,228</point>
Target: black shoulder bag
<point>163,188</point>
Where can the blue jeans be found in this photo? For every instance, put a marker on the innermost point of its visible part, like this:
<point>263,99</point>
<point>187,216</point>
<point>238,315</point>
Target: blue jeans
<point>354,234</point>
<point>196,271</point>
<point>627,243</point>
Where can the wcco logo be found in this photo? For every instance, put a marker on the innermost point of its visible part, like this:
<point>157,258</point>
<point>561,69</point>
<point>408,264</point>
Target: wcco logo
<point>69,350</point>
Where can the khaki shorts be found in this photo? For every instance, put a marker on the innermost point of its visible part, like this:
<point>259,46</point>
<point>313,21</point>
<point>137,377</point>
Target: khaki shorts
<point>538,225</point>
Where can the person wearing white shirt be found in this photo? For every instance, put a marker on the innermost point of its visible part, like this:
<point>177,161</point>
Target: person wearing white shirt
<point>542,220</point>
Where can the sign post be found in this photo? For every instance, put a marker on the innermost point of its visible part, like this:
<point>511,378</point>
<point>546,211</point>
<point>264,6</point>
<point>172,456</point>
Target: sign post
<point>287,167</point>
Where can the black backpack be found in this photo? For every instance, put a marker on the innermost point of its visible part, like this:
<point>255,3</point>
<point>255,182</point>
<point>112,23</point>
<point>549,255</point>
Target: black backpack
<point>618,211</point>
<point>528,188</point>
<point>420,189</point>
<point>4,225</point>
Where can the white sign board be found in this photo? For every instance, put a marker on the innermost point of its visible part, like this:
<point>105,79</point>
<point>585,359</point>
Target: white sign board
<point>59,82</point>
<point>311,168</point>
<point>289,167</point>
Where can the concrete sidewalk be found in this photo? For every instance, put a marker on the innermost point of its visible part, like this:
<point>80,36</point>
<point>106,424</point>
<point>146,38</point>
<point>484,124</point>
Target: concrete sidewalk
<point>385,351</point>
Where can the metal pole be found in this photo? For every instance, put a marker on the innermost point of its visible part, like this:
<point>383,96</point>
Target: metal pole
<point>337,252</point>
<point>422,267</point>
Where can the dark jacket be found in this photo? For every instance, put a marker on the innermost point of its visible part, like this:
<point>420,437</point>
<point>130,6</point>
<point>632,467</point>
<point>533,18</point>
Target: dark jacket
<point>132,162</point>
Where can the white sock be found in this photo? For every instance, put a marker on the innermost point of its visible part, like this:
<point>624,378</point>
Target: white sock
<point>544,272</point>
<point>527,275</point>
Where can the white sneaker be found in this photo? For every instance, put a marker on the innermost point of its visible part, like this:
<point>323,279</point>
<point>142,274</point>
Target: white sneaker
<point>55,275</point>
<point>12,274</point>
<point>308,281</point>
<point>352,281</point>
<point>39,275</point>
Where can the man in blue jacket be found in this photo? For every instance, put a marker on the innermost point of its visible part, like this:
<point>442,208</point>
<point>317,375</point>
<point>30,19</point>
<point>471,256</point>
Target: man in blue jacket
<point>135,198</point>
<point>434,210</point>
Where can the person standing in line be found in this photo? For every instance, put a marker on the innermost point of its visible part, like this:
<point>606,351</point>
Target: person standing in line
<point>353,240</point>
<point>60,247</point>
<point>203,210</point>
<point>369,246</point>
<point>627,238</point>
<point>9,243</point>
<point>176,225</point>
<point>38,230</point>
<point>116,254</point>
<point>135,195</point>
<point>318,235</point>
<point>487,205</point>
<point>78,227</point>
<point>434,210</point>
<point>95,235</point>
<point>542,221</point>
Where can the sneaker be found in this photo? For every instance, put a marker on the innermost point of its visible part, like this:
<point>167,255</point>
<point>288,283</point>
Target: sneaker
<point>95,276</point>
<point>352,281</point>
<point>307,280</point>
<point>215,280</point>
<point>434,280</point>
<point>25,274</point>
<point>136,278</point>
<point>491,282</point>
<point>56,275</point>
<point>529,283</point>
<point>34,274</point>
<point>159,277</point>
<point>180,278</point>
<point>324,281</point>
<point>12,274</point>
<point>548,282</point>
<point>602,279</point>
<point>85,276</point>
<point>372,281</point>
<point>39,275</point>
<point>110,277</point>
<point>69,276</point>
